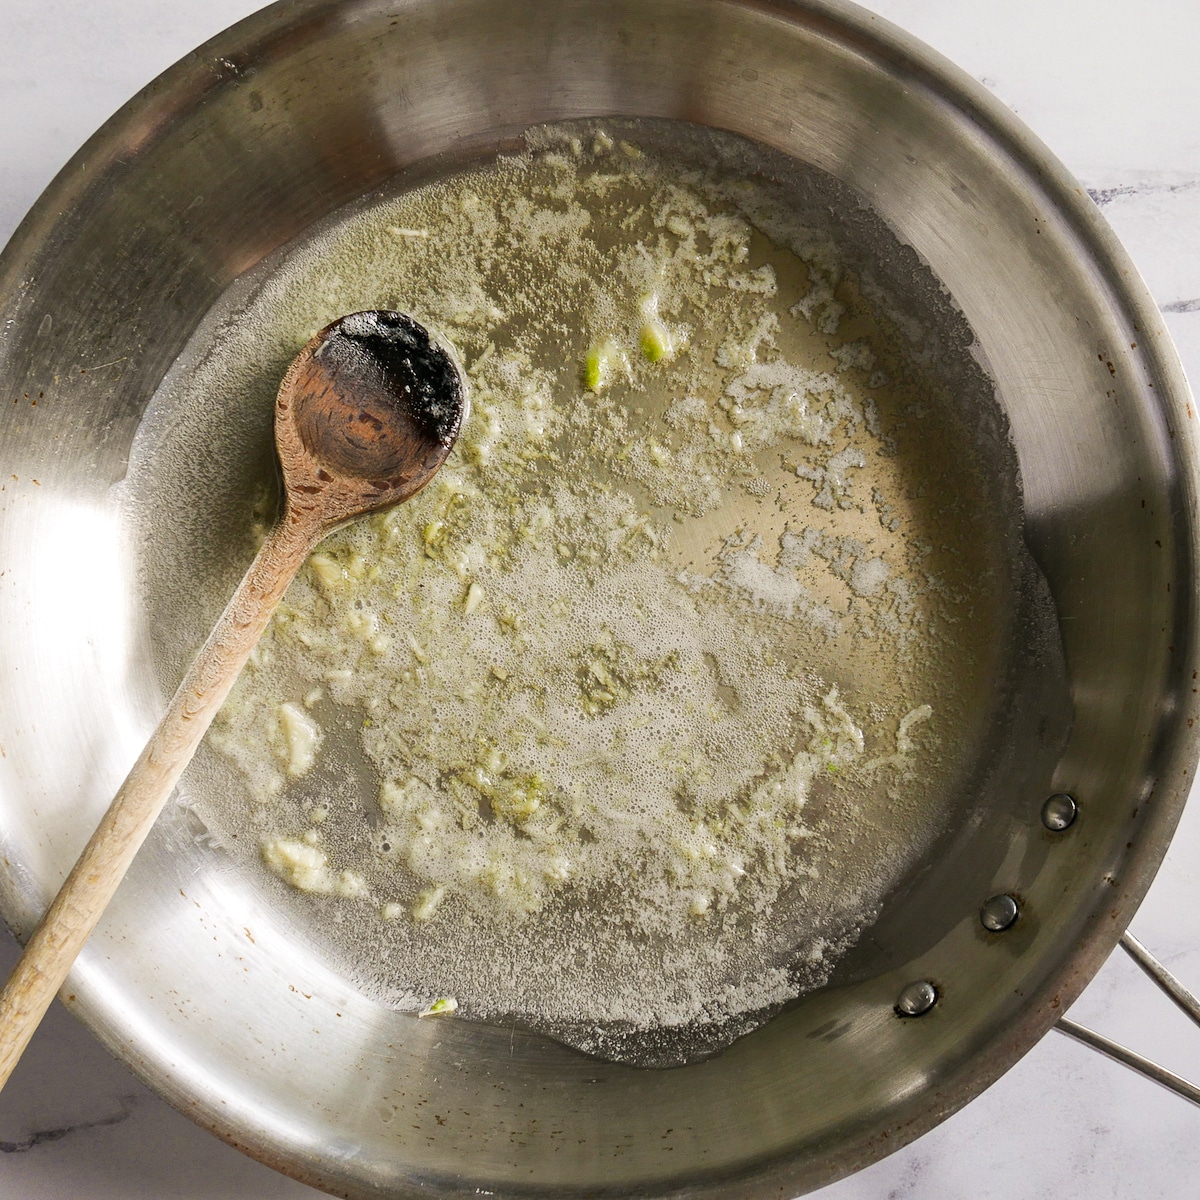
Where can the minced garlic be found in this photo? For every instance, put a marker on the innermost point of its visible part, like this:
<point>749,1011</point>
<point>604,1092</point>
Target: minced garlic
<point>644,681</point>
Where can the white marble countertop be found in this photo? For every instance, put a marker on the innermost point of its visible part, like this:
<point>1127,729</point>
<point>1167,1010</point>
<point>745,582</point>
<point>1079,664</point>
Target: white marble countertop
<point>1113,88</point>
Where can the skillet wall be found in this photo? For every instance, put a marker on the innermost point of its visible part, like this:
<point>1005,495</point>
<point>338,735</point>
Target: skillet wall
<point>301,109</point>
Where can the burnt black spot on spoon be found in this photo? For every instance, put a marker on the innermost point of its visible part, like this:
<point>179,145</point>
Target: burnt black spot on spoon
<point>374,401</point>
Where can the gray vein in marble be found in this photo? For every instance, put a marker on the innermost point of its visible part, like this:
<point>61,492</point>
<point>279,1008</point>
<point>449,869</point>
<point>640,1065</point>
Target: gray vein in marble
<point>1182,306</point>
<point>41,1136</point>
<point>1103,196</point>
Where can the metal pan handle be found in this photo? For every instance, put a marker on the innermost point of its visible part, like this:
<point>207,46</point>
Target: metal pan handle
<point>1135,1062</point>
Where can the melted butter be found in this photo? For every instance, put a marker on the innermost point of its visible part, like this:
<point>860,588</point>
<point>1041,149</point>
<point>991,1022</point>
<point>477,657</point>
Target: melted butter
<point>633,716</point>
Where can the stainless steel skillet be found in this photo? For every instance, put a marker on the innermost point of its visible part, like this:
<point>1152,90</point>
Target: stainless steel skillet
<point>1051,310</point>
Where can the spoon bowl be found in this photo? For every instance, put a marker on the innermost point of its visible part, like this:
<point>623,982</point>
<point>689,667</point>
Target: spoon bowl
<point>366,415</point>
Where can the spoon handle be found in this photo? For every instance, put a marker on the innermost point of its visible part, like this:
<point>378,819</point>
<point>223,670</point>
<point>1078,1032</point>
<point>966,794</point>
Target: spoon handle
<point>43,967</point>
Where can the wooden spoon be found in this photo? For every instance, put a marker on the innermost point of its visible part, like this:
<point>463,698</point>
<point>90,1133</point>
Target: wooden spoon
<point>365,416</point>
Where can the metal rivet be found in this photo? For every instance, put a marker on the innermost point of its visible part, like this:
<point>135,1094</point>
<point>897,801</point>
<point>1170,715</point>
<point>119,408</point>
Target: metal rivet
<point>999,913</point>
<point>916,999</point>
<point>1059,812</point>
